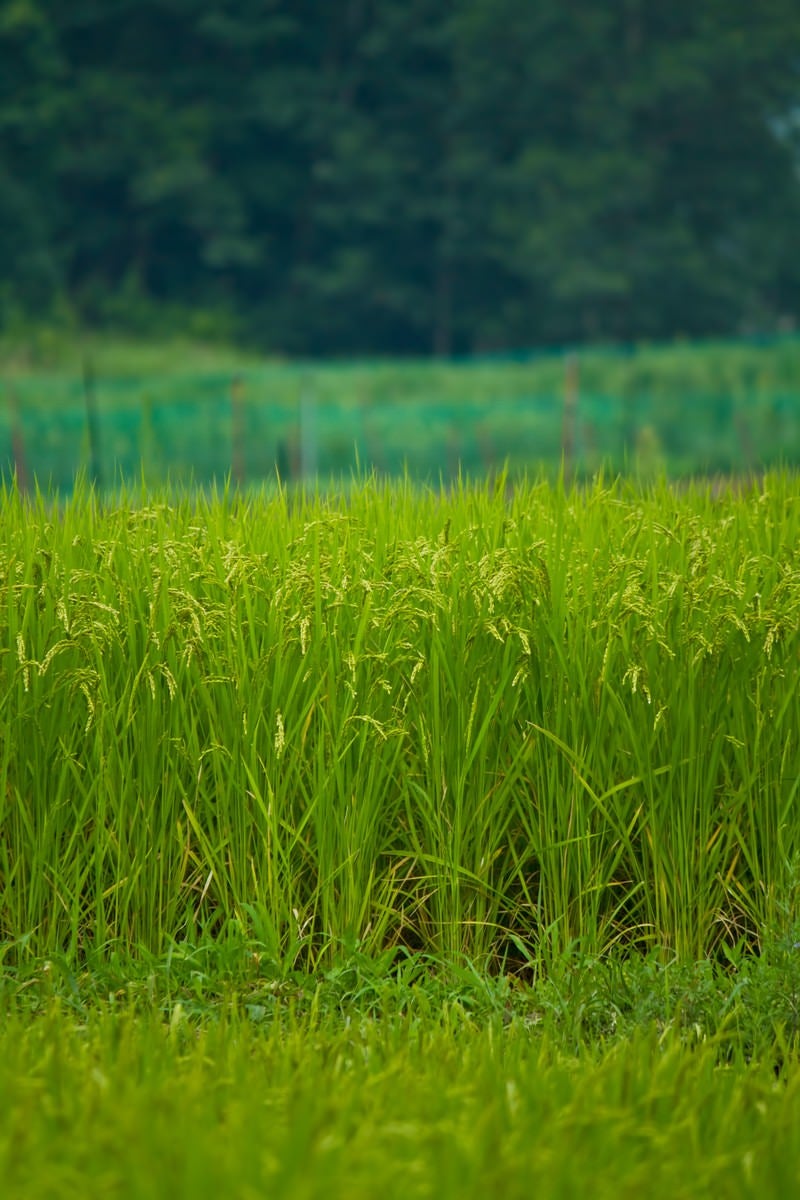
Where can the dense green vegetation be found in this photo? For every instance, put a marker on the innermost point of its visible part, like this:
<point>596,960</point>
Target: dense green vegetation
<point>359,838</point>
<point>400,177</point>
<point>407,1105</point>
<point>466,724</point>
<point>432,844</point>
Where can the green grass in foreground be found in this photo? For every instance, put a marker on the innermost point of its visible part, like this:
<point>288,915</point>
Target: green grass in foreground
<point>131,1106</point>
<point>203,1075</point>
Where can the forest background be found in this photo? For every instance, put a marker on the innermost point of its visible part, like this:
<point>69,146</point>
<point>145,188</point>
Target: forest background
<point>403,177</point>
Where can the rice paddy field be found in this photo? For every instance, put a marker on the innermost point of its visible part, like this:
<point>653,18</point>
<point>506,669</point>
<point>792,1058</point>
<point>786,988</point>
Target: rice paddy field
<point>399,841</point>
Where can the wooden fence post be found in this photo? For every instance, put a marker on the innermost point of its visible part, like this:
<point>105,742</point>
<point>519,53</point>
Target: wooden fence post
<point>570,414</point>
<point>92,424</point>
<point>18,442</point>
<point>238,468</point>
<point>308,432</point>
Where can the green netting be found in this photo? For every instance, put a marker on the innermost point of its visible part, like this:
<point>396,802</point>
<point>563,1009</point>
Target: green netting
<point>430,419</point>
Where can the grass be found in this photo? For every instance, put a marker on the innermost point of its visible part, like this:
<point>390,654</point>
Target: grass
<point>417,1098</point>
<point>443,842</point>
<point>184,410</point>
<point>130,1107</point>
<point>468,725</point>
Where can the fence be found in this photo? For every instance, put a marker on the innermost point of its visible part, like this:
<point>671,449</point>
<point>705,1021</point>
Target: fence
<point>681,410</point>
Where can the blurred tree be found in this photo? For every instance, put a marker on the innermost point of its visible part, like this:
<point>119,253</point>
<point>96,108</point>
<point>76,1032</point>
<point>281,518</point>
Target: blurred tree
<point>31,86</point>
<point>632,183</point>
<point>403,176</point>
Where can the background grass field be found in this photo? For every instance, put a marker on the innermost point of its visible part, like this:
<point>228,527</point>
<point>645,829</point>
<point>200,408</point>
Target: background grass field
<point>193,413</point>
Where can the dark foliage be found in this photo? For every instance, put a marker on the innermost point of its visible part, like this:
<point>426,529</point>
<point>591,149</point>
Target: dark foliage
<point>403,176</point>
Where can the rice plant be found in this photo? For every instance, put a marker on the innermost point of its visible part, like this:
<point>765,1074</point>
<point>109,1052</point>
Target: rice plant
<point>474,724</point>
